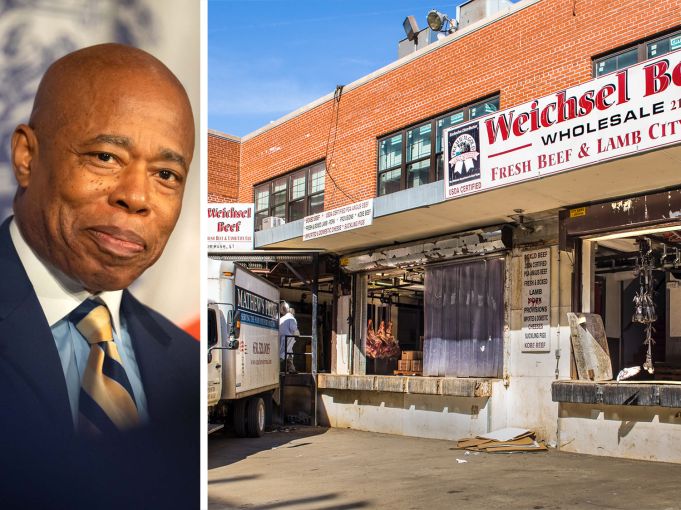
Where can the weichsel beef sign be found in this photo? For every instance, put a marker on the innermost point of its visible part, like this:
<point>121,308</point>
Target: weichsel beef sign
<point>230,227</point>
<point>632,110</point>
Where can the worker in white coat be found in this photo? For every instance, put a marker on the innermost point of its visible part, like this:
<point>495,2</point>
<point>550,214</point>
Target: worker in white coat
<point>288,327</point>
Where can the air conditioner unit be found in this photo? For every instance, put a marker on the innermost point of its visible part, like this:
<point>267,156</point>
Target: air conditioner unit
<point>271,222</point>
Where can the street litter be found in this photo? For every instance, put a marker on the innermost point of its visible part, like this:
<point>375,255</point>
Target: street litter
<point>461,461</point>
<point>508,440</point>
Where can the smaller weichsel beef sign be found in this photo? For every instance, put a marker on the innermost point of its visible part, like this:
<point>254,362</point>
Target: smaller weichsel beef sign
<point>230,227</point>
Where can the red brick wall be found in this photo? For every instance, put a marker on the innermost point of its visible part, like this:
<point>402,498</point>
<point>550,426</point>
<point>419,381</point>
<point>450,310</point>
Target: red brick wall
<point>223,168</point>
<point>536,51</point>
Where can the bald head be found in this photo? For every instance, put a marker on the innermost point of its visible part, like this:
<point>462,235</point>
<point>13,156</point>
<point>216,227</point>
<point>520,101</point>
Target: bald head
<point>101,70</point>
<point>101,166</point>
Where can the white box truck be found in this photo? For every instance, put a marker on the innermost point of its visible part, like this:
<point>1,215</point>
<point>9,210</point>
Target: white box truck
<point>243,348</point>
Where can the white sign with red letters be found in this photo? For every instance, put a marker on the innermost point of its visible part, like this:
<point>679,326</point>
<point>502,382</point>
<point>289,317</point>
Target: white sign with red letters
<point>230,227</point>
<point>629,111</point>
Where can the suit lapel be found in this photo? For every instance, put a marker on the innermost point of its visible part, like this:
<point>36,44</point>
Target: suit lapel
<point>151,344</point>
<point>27,347</point>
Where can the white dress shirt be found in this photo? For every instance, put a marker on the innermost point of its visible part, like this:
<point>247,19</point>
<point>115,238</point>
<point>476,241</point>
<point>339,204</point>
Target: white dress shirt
<point>58,296</point>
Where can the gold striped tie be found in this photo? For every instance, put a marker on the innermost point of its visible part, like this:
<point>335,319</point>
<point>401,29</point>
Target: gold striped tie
<point>106,403</point>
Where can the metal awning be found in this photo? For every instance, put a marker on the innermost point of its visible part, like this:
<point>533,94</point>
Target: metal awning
<point>265,256</point>
<point>420,213</point>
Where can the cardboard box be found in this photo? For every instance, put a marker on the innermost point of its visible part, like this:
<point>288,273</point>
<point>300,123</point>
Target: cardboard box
<point>404,364</point>
<point>417,365</point>
<point>412,354</point>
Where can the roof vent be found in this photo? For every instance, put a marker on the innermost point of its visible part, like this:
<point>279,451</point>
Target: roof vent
<point>474,10</point>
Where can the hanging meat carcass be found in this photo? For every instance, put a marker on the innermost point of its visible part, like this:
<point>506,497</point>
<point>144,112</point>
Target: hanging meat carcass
<point>381,343</point>
<point>372,341</point>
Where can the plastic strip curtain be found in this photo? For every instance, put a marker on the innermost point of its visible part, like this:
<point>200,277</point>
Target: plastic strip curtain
<point>464,316</point>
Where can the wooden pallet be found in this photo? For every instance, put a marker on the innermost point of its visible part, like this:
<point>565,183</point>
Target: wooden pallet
<point>406,372</point>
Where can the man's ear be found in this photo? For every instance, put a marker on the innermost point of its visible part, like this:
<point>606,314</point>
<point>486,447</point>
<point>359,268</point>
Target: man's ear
<point>24,150</point>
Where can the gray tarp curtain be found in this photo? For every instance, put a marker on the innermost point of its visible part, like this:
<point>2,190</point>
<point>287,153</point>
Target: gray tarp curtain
<point>464,319</point>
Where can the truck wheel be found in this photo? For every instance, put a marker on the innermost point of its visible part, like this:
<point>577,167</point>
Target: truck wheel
<point>256,417</point>
<point>239,417</point>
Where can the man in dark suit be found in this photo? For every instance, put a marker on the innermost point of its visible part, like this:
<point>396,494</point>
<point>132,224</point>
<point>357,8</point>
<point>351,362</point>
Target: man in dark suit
<point>101,168</point>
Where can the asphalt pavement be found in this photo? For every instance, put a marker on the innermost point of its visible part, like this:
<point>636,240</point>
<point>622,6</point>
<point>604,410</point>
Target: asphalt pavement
<point>310,468</point>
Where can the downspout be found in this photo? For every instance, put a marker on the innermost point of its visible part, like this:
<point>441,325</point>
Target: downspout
<point>560,270</point>
<point>351,326</point>
<point>559,312</point>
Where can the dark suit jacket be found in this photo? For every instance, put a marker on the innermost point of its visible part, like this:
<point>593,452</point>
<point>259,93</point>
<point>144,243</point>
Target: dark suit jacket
<point>36,428</point>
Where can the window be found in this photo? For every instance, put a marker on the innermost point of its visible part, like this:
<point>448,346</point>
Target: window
<point>292,196</point>
<point>413,156</point>
<point>212,328</point>
<point>615,62</point>
<point>637,53</point>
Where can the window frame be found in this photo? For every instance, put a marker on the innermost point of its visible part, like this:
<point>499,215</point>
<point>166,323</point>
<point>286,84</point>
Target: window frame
<point>433,157</point>
<point>641,47</point>
<point>306,197</point>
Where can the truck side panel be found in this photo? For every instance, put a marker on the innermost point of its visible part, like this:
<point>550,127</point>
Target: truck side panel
<point>256,362</point>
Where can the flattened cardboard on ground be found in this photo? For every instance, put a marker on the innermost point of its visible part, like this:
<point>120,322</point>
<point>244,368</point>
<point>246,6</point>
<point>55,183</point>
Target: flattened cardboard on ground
<point>534,447</point>
<point>590,346</point>
<point>506,440</point>
<point>481,444</point>
<point>523,441</point>
<point>507,434</point>
<point>471,442</point>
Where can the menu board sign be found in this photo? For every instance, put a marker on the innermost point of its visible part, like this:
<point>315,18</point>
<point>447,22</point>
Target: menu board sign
<point>536,301</point>
<point>349,217</point>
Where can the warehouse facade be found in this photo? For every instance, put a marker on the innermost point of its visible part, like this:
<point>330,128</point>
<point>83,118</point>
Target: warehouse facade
<point>519,170</point>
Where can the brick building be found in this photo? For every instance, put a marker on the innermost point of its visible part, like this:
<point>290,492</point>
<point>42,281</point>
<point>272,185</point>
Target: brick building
<point>519,169</point>
<point>223,167</point>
